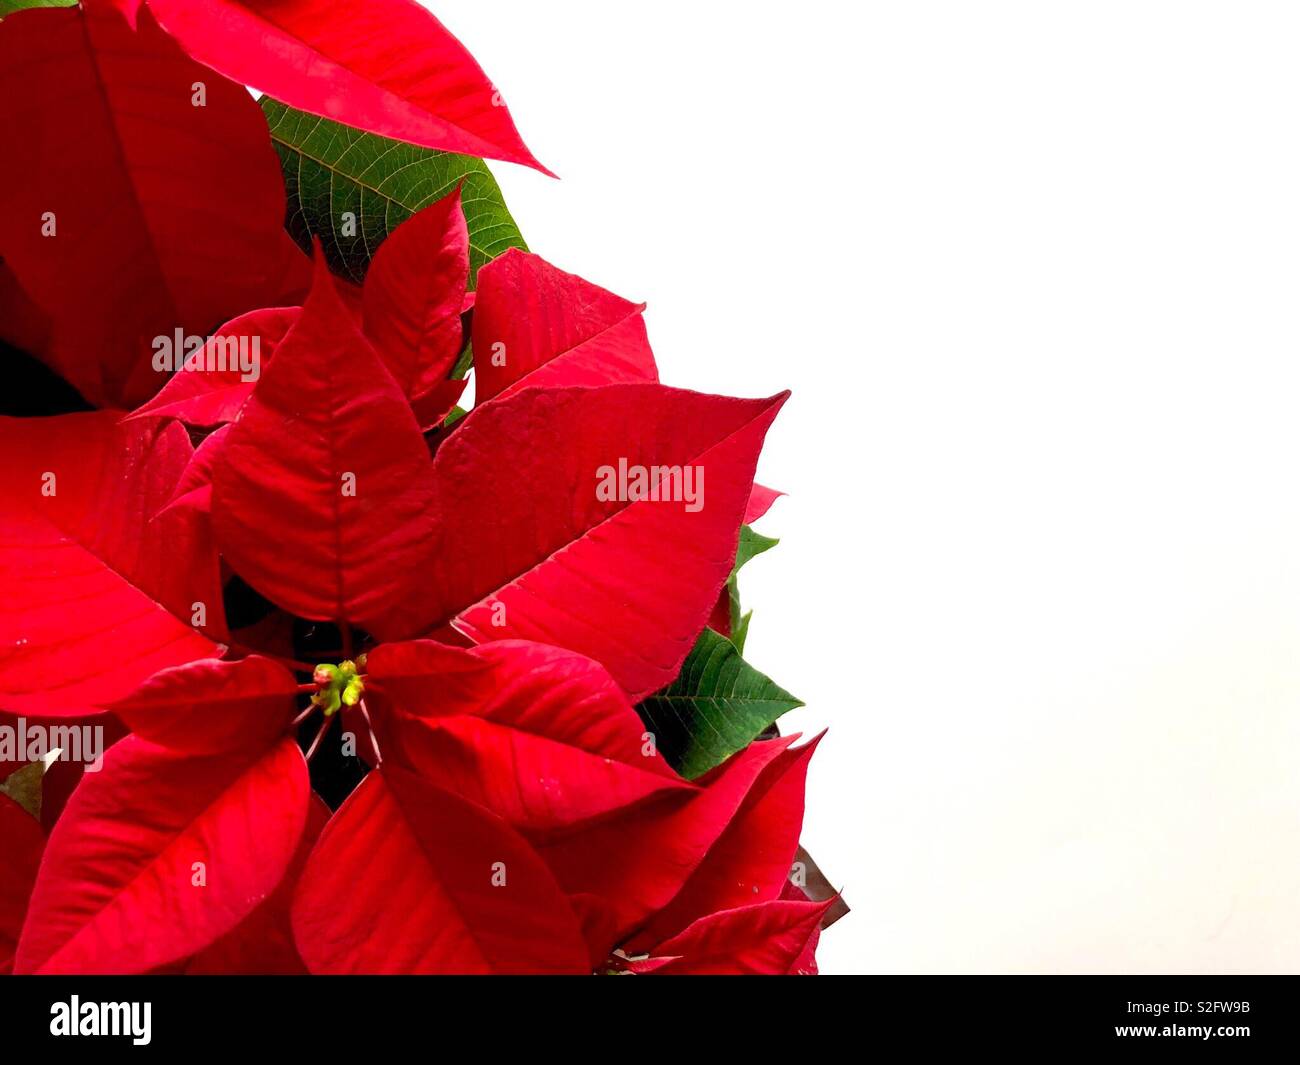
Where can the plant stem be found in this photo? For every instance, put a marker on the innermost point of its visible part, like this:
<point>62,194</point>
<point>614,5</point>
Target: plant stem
<point>374,743</point>
<point>315,744</point>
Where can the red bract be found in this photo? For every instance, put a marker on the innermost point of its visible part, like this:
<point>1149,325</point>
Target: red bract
<point>413,295</point>
<point>211,391</point>
<point>541,736</point>
<point>210,707</point>
<point>649,570</point>
<point>198,839</point>
<point>260,552</point>
<point>409,310</point>
<point>537,326</point>
<point>462,892</point>
<point>628,868</point>
<point>112,260</point>
<point>387,66</point>
<point>322,498</point>
<point>262,944</point>
<point>96,590</point>
<point>753,856</point>
<point>767,939</point>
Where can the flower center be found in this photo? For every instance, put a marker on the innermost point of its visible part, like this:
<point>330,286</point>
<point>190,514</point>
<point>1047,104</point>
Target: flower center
<point>341,685</point>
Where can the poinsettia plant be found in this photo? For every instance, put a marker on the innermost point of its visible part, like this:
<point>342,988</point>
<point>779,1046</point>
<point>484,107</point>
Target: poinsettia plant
<point>388,686</point>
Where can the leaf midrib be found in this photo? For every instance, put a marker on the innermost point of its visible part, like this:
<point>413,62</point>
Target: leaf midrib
<point>386,197</point>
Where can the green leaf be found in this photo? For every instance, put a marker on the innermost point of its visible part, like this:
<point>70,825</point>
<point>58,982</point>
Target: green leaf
<point>716,707</point>
<point>8,7</point>
<point>24,787</point>
<point>752,544</point>
<point>740,632</point>
<point>463,364</point>
<point>331,170</point>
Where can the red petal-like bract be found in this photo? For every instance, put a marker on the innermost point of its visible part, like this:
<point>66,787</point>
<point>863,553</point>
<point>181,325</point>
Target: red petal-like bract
<point>413,294</point>
<point>21,843</point>
<point>95,590</point>
<point>542,737</point>
<point>386,66</point>
<point>536,326</point>
<point>629,867</point>
<point>527,549</point>
<point>262,944</point>
<point>208,707</point>
<point>760,502</point>
<point>408,878</point>
<point>194,489</point>
<point>130,211</point>
<point>213,387</point>
<point>806,963</point>
<point>321,500</point>
<point>766,939</point>
<point>751,861</point>
<point>185,846</point>
<point>412,302</point>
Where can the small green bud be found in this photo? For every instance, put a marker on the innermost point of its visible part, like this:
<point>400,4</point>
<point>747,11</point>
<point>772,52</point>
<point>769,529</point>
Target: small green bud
<point>339,685</point>
<point>327,700</point>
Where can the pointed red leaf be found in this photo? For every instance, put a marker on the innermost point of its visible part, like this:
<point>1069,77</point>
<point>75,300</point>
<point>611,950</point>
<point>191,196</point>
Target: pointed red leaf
<point>408,878</point>
<point>528,549</point>
<point>542,737</point>
<point>767,939</point>
<point>535,325</point>
<point>751,860</point>
<point>119,886</point>
<point>185,524</point>
<point>215,383</point>
<point>633,865</point>
<point>262,944</point>
<point>760,502</point>
<point>21,843</point>
<point>806,963</point>
<point>413,294</point>
<point>386,66</point>
<point>89,579</point>
<point>321,500</point>
<point>194,488</point>
<point>163,214</point>
<point>208,707</point>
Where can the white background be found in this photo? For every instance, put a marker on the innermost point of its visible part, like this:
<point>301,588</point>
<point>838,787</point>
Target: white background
<point>1031,270</point>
